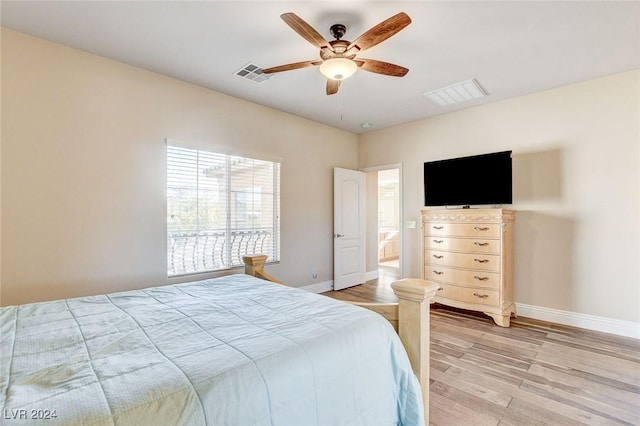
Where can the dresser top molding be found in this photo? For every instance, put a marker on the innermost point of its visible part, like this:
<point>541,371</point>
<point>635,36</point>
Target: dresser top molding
<point>469,215</point>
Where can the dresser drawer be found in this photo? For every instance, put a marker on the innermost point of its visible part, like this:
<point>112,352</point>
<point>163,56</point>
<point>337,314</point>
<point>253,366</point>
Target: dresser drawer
<point>490,230</point>
<point>467,245</point>
<point>469,295</point>
<point>477,261</point>
<point>462,277</point>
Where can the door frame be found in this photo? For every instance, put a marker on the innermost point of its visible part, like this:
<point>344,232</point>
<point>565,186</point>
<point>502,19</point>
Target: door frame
<point>400,210</point>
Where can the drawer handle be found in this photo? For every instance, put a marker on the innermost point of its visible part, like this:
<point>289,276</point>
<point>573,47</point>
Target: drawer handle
<point>481,296</point>
<point>478,228</point>
<point>480,260</point>
<point>438,227</point>
<point>480,244</point>
<point>438,256</point>
<point>480,278</point>
<point>438,241</point>
<point>437,272</point>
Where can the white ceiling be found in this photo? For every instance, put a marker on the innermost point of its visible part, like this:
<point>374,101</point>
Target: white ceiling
<point>511,48</point>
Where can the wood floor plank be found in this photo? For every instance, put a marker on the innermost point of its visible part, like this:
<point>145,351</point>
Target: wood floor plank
<point>618,372</point>
<point>485,370</point>
<point>482,353</point>
<point>465,381</point>
<point>445,412</point>
<point>622,351</point>
<point>562,376</point>
<point>594,410</point>
<point>543,414</point>
<point>508,343</point>
<point>450,338</point>
<point>532,373</point>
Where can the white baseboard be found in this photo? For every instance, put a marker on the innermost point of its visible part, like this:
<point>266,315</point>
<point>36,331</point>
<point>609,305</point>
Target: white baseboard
<point>590,322</point>
<point>328,285</point>
<point>318,287</point>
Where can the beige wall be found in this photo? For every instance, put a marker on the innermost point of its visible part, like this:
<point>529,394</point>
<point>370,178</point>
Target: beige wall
<point>83,171</point>
<point>82,177</point>
<point>576,159</point>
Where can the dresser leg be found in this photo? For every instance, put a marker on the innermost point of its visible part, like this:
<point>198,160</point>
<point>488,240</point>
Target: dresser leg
<point>501,320</point>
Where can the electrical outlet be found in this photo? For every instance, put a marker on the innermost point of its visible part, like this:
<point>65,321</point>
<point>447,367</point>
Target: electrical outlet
<point>314,272</point>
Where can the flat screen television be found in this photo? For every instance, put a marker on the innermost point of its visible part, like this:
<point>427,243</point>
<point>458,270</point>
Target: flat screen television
<point>476,180</point>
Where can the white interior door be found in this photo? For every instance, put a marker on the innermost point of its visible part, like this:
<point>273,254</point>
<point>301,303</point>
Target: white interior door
<point>348,228</point>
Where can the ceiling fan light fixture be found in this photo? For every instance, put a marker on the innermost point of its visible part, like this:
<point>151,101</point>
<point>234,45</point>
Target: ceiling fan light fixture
<point>338,68</point>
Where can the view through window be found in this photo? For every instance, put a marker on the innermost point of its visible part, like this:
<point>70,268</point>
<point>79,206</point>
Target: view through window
<point>219,208</point>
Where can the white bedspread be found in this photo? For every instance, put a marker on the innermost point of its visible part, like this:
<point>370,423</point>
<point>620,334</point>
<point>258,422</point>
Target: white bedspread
<point>228,351</point>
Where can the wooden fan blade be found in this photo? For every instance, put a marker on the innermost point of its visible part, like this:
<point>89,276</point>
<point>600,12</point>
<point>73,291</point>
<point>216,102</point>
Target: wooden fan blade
<point>332,86</point>
<point>380,67</point>
<point>381,32</point>
<point>289,67</point>
<point>305,30</point>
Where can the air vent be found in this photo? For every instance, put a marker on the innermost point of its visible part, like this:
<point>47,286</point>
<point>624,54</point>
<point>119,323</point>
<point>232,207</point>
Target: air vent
<point>252,72</point>
<point>456,93</point>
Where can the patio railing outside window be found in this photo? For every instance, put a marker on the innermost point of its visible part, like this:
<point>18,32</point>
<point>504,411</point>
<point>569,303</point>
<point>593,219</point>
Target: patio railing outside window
<point>212,250</point>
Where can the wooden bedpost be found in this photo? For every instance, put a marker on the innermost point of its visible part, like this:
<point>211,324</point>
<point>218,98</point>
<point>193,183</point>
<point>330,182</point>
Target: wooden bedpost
<point>254,266</point>
<point>414,301</point>
<point>254,263</point>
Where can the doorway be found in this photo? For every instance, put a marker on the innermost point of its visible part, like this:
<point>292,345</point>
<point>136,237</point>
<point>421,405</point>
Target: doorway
<point>384,218</point>
<point>388,225</point>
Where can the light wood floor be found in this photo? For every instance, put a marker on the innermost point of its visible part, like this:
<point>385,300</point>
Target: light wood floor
<point>532,373</point>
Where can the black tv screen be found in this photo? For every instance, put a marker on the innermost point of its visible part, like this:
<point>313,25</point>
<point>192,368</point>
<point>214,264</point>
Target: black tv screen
<point>476,180</point>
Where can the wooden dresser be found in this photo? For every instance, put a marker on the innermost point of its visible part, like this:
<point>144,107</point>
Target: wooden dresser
<point>469,253</point>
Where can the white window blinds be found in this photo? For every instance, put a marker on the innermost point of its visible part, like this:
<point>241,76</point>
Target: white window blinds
<point>219,208</point>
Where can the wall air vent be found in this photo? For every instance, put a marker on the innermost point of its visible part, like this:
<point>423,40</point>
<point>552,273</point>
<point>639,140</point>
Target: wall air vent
<point>252,72</point>
<point>456,93</point>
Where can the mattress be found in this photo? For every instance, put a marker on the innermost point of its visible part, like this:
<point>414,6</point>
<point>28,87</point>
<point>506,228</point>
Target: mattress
<point>234,350</point>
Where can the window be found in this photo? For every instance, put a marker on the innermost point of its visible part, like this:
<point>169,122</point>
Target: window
<point>219,208</point>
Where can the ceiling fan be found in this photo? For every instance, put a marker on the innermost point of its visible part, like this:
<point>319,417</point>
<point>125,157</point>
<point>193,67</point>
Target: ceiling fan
<point>338,56</point>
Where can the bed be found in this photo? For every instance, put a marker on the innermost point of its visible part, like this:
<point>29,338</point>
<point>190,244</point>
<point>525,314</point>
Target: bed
<point>234,350</point>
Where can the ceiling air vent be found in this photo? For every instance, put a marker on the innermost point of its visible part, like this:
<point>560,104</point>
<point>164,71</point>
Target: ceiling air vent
<point>456,93</point>
<point>252,72</point>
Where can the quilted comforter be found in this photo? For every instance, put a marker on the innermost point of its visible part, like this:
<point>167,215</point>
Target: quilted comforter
<point>228,351</point>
